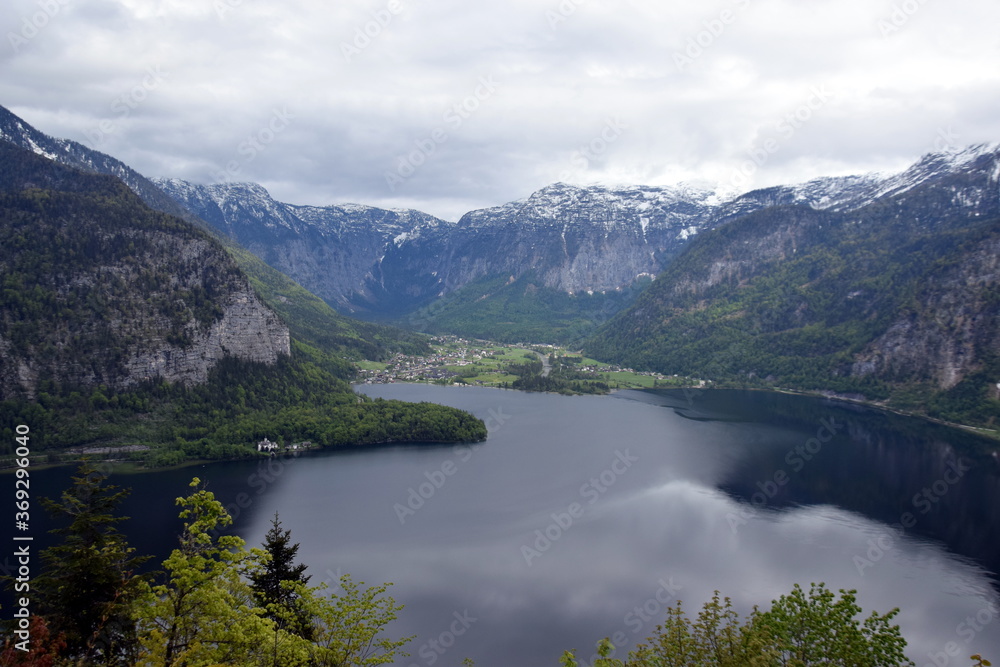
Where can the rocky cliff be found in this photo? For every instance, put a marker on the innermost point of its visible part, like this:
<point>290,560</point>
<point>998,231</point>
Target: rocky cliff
<point>890,291</point>
<point>98,289</point>
<point>393,262</point>
<point>950,329</point>
<point>334,251</point>
<point>571,240</point>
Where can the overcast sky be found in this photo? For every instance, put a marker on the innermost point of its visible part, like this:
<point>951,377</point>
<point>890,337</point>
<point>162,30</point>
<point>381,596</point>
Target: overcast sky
<point>446,106</point>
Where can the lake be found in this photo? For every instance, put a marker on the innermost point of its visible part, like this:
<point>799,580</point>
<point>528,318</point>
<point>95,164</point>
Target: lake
<point>583,517</point>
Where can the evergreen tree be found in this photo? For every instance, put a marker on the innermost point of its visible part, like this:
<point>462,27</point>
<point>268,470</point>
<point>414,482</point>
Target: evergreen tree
<point>90,583</point>
<point>204,613</point>
<point>274,582</point>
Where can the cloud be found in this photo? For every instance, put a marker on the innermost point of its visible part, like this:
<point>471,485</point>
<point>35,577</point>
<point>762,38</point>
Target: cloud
<point>698,86</point>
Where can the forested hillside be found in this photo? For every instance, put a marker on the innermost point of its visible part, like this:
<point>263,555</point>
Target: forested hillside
<point>898,300</point>
<point>127,328</point>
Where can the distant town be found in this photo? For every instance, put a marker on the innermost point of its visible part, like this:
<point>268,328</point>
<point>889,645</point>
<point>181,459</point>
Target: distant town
<point>457,360</point>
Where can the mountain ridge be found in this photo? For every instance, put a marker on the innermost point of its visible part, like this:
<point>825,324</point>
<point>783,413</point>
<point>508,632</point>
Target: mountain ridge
<point>895,299</point>
<point>563,239</point>
<point>310,319</point>
<point>98,241</point>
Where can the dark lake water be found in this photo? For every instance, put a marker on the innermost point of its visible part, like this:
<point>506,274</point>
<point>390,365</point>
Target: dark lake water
<point>583,517</point>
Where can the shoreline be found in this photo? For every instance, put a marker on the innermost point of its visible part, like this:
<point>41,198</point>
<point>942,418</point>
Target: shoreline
<point>126,467</point>
<point>992,434</point>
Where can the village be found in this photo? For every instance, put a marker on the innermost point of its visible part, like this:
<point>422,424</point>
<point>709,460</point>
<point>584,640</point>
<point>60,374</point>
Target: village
<point>457,360</point>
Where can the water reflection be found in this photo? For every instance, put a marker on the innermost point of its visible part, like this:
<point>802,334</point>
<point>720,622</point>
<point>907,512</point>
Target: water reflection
<point>548,546</point>
<point>920,478</point>
<point>583,517</point>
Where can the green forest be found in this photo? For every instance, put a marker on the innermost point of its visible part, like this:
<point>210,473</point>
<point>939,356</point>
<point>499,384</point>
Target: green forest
<point>303,398</point>
<point>496,308</point>
<point>91,276</point>
<point>799,317</point>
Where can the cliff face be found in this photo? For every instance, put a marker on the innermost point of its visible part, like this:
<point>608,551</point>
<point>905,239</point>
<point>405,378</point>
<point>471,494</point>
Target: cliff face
<point>98,289</point>
<point>392,262</point>
<point>334,251</point>
<point>244,328</point>
<point>950,330</point>
<point>579,239</point>
<point>892,292</point>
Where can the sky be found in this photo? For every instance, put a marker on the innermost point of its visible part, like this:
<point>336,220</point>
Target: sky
<point>448,106</point>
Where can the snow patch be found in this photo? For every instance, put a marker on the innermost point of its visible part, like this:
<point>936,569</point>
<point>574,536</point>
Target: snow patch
<point>687,233</point>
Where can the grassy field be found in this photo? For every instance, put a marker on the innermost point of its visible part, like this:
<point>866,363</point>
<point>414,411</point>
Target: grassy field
<point>487,363</point>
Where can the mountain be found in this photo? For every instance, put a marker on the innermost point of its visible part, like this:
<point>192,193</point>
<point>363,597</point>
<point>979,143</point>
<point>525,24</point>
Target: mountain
<point>133,333</point>
<point>889,291</point>
<point>100,290</point>
<point>332,250</point>
<point>405,265</point>
<point>16,131</point>
<point>571,256</point>
<point>310,319</point>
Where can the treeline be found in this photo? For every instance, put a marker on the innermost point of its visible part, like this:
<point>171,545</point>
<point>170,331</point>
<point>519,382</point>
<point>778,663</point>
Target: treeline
<point>90,274</point>
<point>801,629</point>
<point>303,397</point>
<point>562,378</point>
<point>804,293</point>
<point>214,602</point>
<point>313,321</point>
<point>522,310</point>
<point>90,277</point>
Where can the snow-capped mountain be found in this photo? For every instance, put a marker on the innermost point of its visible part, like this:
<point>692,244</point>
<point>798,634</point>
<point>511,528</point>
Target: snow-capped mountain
<point>876,284</point>
<point>334,251</point>
<point>640,207</point>
<point>394,261</point>
<point>931,167</point>
<point>572,239</point>
<point>389,262</point>
<point>76,155</point>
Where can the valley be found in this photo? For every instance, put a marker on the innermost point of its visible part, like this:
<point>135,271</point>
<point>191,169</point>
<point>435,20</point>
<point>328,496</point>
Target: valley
<point>500,334</point>
<point>457,361</point>
<point>877,287</point>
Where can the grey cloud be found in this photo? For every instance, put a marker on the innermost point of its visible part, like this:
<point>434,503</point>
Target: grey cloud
<point>564,68</point>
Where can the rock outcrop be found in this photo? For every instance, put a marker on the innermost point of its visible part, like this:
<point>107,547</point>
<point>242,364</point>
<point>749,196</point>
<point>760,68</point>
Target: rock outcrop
<point>100,290</point>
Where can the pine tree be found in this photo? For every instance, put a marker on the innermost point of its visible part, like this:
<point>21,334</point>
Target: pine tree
<point>204,613</point>
<point>90,581</point>
<point>275,582</point>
